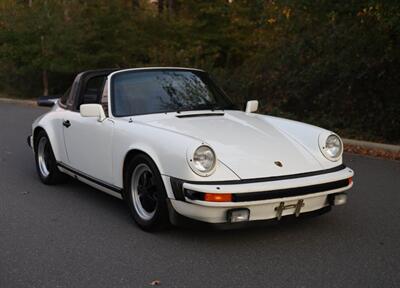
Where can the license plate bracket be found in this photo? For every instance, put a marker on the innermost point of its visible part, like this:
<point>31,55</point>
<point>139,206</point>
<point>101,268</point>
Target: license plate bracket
<point>297,208</point>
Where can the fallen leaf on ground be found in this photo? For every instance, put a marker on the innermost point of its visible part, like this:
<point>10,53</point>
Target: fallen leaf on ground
<point>155,283</point>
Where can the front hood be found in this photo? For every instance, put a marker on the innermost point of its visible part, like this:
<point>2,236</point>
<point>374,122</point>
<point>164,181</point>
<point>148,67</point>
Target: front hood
<point>246,144</point>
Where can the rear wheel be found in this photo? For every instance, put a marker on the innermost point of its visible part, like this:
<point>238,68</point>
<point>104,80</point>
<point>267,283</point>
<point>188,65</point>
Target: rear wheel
<point>145,193</point>
<point>46,164</point>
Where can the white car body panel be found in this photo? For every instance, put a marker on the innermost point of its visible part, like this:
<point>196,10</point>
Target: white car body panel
<point>88,145</point>
<point>305,135</point>
<point>247,145</point>
<point>163,147</point>
<point>51,122</point>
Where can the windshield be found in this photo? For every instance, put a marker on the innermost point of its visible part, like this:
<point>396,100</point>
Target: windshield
<point>158,91</point>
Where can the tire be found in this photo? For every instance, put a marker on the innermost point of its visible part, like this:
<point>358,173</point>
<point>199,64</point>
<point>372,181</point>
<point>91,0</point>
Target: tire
<point>145,194</point>
<point>46,163</point>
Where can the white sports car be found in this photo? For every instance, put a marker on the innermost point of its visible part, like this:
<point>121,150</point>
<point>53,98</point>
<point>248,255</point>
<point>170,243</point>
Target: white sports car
<point>172,145</point>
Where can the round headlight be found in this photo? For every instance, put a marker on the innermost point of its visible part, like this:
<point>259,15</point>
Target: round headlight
<point>332,147</point>
<point>204,159</point>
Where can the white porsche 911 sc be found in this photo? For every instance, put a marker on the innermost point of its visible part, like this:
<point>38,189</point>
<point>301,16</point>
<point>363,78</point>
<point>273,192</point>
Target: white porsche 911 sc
<point>172,145</point>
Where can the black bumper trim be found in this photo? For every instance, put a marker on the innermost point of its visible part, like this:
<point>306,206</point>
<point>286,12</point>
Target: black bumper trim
<point>274,194</point>
<point>177,189</point>
<point>290,192</point>
<point>269,179</point>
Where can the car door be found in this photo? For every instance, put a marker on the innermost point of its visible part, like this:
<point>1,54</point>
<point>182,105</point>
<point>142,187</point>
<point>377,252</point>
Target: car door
<point>88,142</point>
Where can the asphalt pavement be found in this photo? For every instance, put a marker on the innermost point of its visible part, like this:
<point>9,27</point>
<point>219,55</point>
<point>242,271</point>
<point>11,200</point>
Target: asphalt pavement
<point>72,235</point>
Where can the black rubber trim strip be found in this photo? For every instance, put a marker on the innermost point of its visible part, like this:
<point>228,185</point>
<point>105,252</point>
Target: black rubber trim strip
<point>289,192</point>
<point>268,179</point>
<point>200,115</point>
<point>87,177</point>
<point>279,193</point>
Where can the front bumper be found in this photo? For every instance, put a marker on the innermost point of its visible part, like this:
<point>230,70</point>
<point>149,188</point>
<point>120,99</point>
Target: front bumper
<point>265,200</point>
<point>184,221</point>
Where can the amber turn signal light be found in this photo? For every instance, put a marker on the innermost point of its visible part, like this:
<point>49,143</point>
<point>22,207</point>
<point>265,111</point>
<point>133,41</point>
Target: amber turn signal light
<point>211,197</point>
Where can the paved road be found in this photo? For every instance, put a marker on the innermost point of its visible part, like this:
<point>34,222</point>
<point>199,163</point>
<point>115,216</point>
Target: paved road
<point>74,236</point>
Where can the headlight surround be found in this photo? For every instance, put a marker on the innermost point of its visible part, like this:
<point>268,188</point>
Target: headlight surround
<point>203,160</point>
<point>331,146</point>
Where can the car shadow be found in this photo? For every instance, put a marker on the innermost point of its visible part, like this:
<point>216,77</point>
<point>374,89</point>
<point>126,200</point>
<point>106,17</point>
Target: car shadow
<point>117,209</point>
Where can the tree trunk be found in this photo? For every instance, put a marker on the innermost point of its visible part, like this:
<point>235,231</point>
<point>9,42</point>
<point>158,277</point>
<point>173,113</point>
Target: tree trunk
<point>171,7</point>
<point>30,3</point>
<point>67,18</point>
<point>160,6</point>
<point>135,4</point>
<point>45,80</point>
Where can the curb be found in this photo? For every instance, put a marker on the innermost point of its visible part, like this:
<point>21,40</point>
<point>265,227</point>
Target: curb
<point>372,145</point>
<point>18,101</point>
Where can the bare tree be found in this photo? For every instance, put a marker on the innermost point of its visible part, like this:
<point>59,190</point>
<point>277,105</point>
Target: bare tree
<point>67,17</point>
<point>172,6</point>
<point>45,77</point>
<point>160,6</point>
<point>135,4</point>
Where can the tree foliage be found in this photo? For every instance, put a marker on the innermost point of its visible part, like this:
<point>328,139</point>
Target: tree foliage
<point>331,63</point>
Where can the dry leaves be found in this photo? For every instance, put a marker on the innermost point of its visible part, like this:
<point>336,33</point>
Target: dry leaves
<point>380,153</point>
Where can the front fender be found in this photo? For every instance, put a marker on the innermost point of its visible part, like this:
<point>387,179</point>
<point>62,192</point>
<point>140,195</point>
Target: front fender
<point>167,149</point>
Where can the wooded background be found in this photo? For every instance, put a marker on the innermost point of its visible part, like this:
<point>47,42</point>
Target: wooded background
<point>331,63</point>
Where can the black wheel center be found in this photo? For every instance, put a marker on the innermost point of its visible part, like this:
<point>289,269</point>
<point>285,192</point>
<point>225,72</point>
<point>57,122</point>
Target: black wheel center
<point>146,190</point>
<point>46,155</point>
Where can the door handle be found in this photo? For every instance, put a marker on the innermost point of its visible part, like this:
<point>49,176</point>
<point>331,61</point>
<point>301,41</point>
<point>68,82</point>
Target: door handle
<point>66,123</point>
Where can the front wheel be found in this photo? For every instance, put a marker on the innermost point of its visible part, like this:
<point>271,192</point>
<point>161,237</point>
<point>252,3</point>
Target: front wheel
<point>145,194</point>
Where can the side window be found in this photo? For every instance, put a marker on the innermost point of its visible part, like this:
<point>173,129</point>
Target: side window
<point>64,98</point>
<point>104,98</point>
<point>93,90</point>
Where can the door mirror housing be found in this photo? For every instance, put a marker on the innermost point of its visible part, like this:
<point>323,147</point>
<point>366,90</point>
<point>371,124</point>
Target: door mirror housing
<point>93,110</point>
<point>251,106</point>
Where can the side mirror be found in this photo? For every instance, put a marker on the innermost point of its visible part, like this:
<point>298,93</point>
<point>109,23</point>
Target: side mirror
<point>47,101</point>
<point>251,106</point>
<point>93,110</point>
